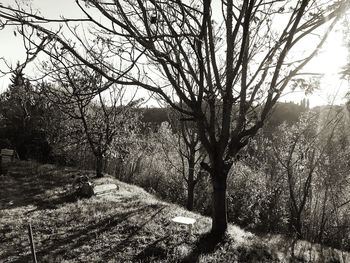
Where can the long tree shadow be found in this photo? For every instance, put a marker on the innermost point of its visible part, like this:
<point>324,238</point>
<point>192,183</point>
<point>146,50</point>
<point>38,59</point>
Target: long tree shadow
<point>128,240</point>
<point>162,248</point>
<point>59,246</point>
<point>206,244</point>
<point>152,251</point>
<point>42,190</point>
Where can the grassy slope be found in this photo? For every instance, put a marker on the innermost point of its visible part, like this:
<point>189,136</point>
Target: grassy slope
<point>129,225</point>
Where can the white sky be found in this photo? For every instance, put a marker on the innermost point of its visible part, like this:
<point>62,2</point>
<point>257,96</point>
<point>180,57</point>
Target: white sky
<point>329,61</point>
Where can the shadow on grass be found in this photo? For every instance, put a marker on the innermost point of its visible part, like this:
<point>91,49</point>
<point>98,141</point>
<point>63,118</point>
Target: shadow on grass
<point>115,226</point>
<point>29,187</point>
<point>153,251</point>
<point>206,244</point>
<point>134,231</point>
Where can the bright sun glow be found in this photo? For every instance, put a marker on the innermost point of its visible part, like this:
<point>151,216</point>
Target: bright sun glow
<point>329,62</point>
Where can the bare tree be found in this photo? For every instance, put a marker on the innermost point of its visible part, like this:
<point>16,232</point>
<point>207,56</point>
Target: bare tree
<point>221,65</point>
<point>102,117</point>
<point>182,137</point>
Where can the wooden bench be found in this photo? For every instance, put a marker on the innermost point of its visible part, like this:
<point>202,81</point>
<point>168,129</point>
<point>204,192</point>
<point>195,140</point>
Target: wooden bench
<point>185,221</point>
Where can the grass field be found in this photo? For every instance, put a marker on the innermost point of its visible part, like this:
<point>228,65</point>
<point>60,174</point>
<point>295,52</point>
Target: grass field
<point>127,225</point>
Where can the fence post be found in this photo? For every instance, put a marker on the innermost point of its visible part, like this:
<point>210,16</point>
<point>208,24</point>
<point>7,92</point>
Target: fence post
<point>32,247</point>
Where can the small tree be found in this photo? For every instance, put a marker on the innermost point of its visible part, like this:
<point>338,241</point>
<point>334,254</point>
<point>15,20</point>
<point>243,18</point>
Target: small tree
<point>103,118</point>
<point>183,137</point>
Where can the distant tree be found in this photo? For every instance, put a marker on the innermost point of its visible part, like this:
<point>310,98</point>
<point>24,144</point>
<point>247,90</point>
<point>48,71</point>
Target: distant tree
<point>25,115</point>
<point>155,115</point>
<point>283,112</point>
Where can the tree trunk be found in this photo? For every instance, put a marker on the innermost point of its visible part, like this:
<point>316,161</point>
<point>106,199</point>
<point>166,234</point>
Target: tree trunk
<point>295,224</point>
<point>323,218</point>
<point>99,166</point>
<point>219,206</point>
<point>190,183</point>
<point>190,195</point>
<point>297,227</point>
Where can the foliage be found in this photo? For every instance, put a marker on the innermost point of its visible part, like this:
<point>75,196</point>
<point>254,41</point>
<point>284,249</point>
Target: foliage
<point>29,121</point>
<point>297,176</point>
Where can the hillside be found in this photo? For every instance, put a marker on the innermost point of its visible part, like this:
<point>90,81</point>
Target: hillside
<point>128,225</point>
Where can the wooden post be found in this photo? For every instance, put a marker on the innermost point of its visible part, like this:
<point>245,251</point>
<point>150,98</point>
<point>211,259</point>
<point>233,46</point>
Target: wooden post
<point>32,247</point>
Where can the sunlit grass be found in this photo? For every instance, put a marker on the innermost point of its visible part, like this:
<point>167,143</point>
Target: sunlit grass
<point>128,225</point>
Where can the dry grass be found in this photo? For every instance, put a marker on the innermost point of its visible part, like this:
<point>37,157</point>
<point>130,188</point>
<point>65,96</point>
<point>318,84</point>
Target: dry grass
<point>128,225</point>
